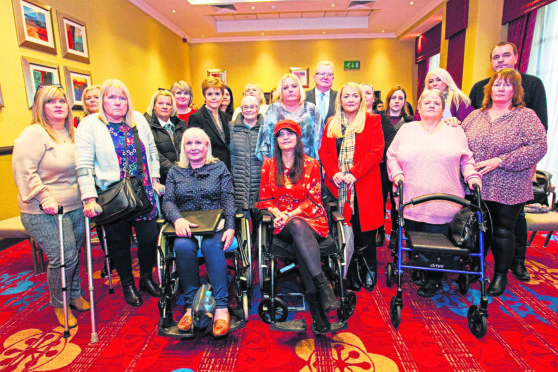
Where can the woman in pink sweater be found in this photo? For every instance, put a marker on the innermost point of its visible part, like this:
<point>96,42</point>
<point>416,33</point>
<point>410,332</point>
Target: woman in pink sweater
<point>430,157</point>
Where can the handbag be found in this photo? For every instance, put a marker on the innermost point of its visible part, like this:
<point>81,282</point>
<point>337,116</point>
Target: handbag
<point>463,228</point>
<point>127,198</point>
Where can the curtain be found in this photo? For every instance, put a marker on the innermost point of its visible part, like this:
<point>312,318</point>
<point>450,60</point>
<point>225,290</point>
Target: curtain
<point>428,44</point>
<point>544,53</point>
<point>516,8</point>
<point>456,53</point>
<point>422,71</point>
<point>520,32</point>
<point>457,16</point>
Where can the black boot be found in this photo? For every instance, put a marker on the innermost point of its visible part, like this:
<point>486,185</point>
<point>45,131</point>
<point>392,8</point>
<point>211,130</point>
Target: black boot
<point>325,292</point>
<point>370,280</point>
<point>393,239</point>
<point>320,322</point>
<point>497,285</point>
<point>131,295</point>
<point>520,271</point>
<point>380,236</point>
<point>147,284</point>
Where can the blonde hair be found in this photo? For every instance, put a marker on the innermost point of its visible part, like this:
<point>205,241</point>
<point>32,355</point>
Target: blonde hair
<point>183,162</point>
<point>261,96</point>
<point>357,125</point>
<point>161,93</point>
<point>83,96</point>
<point>428,92</point>
<point>454,94</point>
<point>279,92</point>
<point>183,87</point>
<point>43,95</point>
<point>212,82</point>
<point>116,84</point>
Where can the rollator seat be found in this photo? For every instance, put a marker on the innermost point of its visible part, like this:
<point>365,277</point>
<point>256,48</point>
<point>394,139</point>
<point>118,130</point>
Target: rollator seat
<point>434,243</point>
<point>169,231</point>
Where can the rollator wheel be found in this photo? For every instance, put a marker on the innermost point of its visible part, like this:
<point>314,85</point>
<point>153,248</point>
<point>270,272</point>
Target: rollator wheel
<point>395,312</point>
<point>389,274</point>
<point>265,307</point>
<point>463,283</point>
<point>347,306</point>
<point>477,322</point>
<point>245,305</point>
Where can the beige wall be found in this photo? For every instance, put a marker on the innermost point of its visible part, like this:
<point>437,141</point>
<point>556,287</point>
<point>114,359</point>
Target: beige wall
<point>384,62</point>
<point>124,43</point>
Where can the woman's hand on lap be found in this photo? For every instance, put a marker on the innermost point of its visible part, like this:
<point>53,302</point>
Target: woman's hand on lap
<point>182,227</point>
<point>227,238</point>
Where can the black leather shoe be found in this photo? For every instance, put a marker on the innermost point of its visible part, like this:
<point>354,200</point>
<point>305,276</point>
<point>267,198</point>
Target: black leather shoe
<point>520,271</point>
<point>146,284</point>
<point>418,277</point>
<point>393,238</point>
<point>328,299</point>
<point>320,322</point>
<point>497,285</point>
<point>380,237</point>
<point>370,280</point>
<point>131,295</point>
<point>429,289</point>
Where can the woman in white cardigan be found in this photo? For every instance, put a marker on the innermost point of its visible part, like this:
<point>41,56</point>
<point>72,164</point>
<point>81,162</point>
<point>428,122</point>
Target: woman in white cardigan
<point>103,142</point>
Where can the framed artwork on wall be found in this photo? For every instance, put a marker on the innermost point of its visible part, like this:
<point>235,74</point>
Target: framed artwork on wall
<point>73,37</point>
<point>34,25</point>
<point>302,74</point>
<point>37,73</point>
<point>76,82</point>
<point>221,74</point>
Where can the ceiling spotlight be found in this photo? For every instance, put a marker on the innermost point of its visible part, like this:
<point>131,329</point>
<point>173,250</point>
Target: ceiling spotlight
<point>262,34</point>
<point>203,36</point>
<point>273,7</point>
<point>252,7</point>
<point>412,3</point>
<point>332,5</point>
<point>383,30</point>
<point>174,10</point>
<point>323,32</point>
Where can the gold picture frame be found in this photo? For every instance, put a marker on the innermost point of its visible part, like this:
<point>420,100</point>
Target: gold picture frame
<point>34,25</point>
<point>217,72</point>
<point>37,72</point>
<point>76,82</point>
<point>73,37</point>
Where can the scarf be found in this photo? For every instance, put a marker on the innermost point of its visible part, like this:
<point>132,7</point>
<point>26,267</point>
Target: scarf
<point>346,155</point>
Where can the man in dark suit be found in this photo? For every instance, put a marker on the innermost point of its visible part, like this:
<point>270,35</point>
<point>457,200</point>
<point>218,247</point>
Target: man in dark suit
<point>504,55</point>
<point>322,95</point>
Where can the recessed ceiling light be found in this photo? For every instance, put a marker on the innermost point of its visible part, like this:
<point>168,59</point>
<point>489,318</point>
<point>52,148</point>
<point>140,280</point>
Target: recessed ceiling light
<point>323,32</point>
<point>174,10</point>
<point>383,30</point>
<point>252,7</point>
<point>203,36</point>
<point>262,34</point>
<point>332,5</point>
<point>412,3</point>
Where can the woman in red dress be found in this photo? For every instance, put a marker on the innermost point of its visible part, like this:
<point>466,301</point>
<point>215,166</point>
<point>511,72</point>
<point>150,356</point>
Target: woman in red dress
<point>291,191</point>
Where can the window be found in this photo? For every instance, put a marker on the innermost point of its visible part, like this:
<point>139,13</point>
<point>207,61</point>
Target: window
<point>544,51</point>
<point>434,62</point>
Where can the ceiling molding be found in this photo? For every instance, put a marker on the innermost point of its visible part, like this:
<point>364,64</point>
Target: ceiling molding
<point>410,25</point>
<point>235,39</point>
<point>160,18</point>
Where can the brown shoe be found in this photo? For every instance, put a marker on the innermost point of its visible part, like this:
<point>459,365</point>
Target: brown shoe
<point>221,326</point>
<point>185,323</point>
<point>59,312</point>
<point>80,304</point>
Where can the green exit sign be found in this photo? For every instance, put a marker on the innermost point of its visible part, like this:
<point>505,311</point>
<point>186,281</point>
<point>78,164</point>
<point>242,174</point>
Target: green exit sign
<point>351,65</point>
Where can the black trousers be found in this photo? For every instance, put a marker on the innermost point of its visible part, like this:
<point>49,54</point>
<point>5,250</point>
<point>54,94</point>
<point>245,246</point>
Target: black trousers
<point>387,189</point>
<point>520,233</point>
<point>119,239</point>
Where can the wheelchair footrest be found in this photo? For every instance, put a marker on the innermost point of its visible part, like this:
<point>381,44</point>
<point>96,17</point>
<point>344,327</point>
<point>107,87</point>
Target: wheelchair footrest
<point>173,331</point>
<point>296,325</point>
<point>339,326</point>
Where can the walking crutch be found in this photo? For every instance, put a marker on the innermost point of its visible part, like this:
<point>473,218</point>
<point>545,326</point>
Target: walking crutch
<point>104,246</point>
<point>60,215</point>
<point>94,337</point>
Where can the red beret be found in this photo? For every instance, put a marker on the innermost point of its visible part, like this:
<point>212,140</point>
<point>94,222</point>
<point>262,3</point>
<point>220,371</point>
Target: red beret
<point>287,124</point>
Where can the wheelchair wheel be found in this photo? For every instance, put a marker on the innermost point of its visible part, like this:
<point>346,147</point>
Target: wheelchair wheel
<point>265,310</point>
<point>245,305</point>
<point>477,322</point>
<point>389,274</point>
<point>347,306</point>
<point>175,287</point>
<point>463,283</point>
<point>395,312</point>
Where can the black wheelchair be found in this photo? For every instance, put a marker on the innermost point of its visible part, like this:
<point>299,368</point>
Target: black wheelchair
<point>240,288</point>
<point>272,309</point>
<point>436,252</point>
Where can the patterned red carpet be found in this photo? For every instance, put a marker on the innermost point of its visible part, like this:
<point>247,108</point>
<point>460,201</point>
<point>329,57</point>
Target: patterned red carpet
<point>433,335</point>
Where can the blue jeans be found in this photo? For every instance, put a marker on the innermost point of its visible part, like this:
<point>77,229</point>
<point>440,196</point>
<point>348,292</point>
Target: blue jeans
<point>186,253</point>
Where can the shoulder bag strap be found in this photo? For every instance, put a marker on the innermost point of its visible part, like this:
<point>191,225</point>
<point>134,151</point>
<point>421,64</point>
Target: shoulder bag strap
<point>137,144</point>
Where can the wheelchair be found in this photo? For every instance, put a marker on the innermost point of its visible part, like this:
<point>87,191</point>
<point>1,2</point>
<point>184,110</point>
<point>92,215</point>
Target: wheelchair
<point>240,254</point>
<point>436,252</point>
<point>272,309</point>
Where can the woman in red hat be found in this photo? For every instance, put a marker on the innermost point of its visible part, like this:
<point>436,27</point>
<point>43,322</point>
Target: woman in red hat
<point>291,191</point>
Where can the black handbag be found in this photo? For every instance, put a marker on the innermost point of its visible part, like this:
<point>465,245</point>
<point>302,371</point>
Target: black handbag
<point>127,198</point>
<point>463,228</point>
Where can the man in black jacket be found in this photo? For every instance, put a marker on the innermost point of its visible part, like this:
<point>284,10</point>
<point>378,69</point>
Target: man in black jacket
<point>504,55</point>
<point>322,95</point>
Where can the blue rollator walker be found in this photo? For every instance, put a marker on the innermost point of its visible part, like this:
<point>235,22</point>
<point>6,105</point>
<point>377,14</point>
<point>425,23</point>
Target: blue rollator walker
<point>442,255</point>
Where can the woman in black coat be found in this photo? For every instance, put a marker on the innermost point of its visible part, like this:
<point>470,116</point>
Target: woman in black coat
<point>212,120</point>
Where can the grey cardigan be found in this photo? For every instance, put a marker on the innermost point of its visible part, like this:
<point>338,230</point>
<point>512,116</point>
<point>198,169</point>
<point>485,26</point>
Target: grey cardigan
<point>95,151</point>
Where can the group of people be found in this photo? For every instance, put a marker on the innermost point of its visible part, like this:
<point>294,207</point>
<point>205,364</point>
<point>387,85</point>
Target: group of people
<point>217,157</point>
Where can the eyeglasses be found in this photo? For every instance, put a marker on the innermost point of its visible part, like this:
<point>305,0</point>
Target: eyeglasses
<point>251,107</point>
<point>43,86</point>
<point>325,74</point>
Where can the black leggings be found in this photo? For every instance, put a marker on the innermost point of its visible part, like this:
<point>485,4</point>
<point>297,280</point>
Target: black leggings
<point>503,241</point>
<point>364,240</point>
<point>307,249</point>
<point>387,189</point>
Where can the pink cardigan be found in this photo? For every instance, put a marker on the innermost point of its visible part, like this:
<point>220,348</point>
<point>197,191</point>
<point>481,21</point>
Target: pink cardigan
<point>431,163</point>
